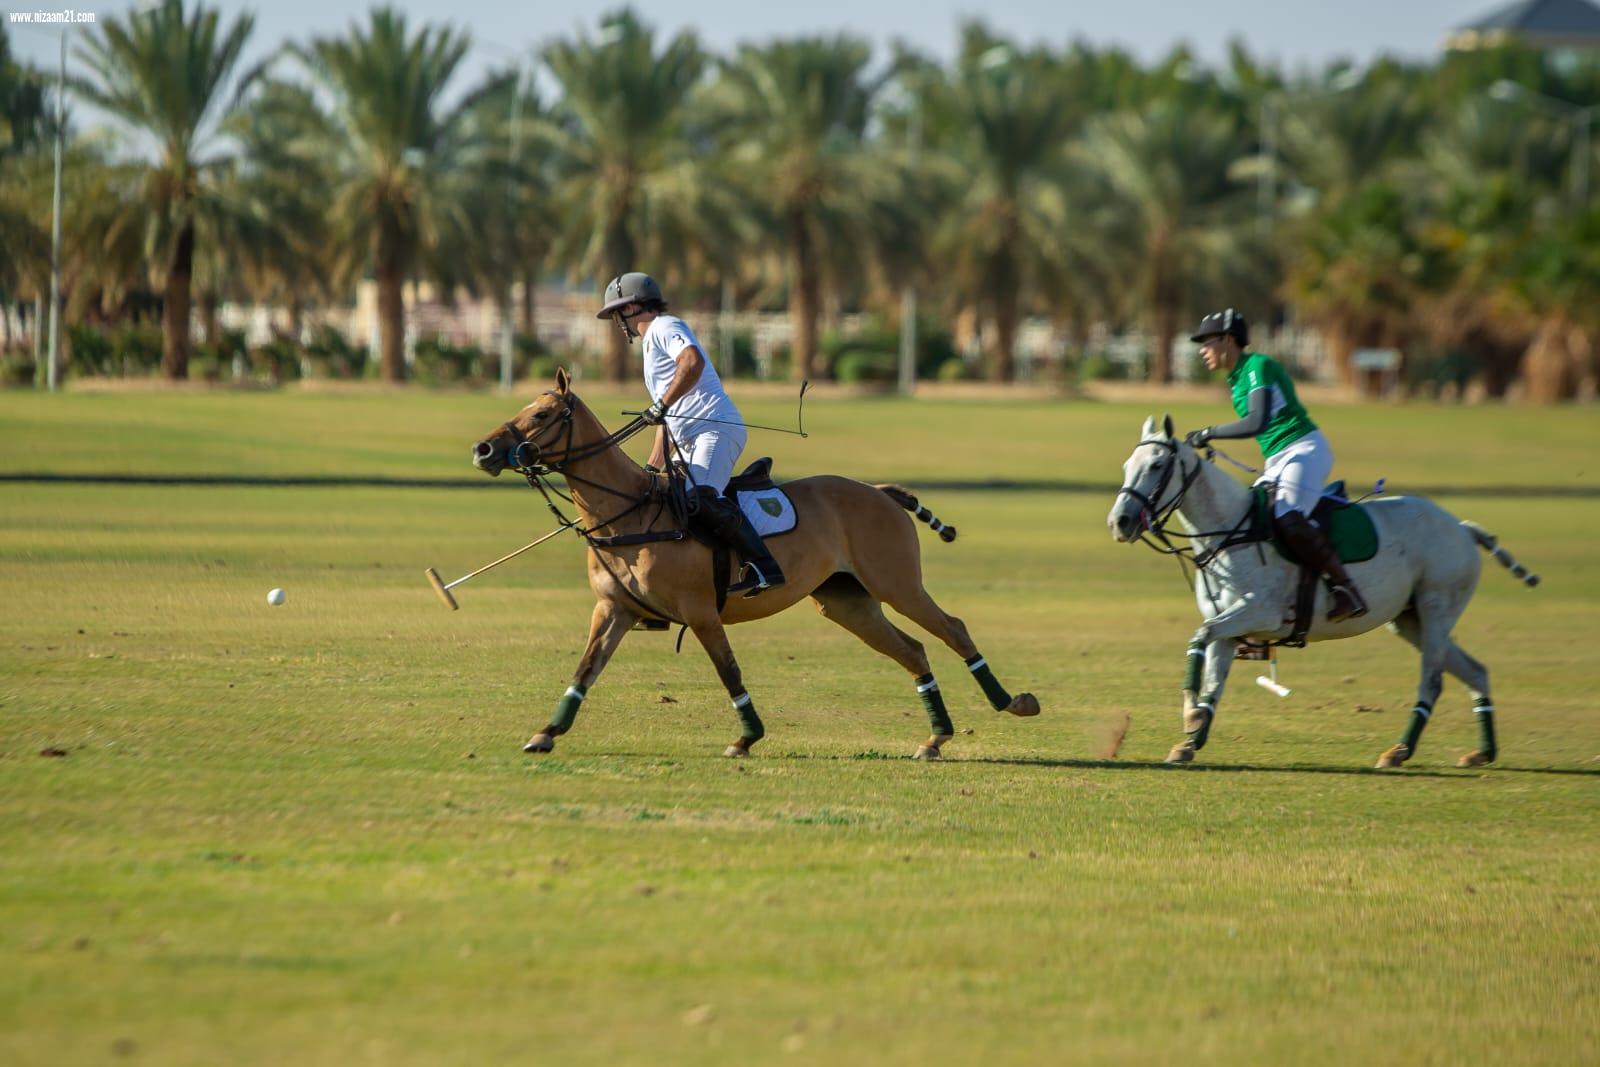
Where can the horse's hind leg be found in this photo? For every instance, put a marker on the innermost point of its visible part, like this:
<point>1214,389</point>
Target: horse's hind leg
<point>905,594</point>
<point>1470,673</point>
<point>843,600</point>
<point>607,627</point>
<point>714,639</point>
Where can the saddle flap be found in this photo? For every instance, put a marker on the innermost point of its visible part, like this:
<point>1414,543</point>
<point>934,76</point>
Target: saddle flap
<point>756,476</point>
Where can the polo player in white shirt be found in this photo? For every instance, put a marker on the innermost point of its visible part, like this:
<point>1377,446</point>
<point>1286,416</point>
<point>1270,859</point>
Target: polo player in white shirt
<point>690,407</point>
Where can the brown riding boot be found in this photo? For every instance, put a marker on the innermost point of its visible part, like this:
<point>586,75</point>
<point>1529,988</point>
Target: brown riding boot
<point>1311,546</point>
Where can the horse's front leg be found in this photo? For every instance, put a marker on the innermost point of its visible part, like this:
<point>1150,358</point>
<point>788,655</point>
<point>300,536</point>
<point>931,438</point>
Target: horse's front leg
<point>607,627</point>
<point>1209,659</point>
<point>714,638</point>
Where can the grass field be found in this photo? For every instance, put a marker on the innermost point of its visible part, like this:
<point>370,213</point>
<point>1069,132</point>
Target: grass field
<point>308,834</point>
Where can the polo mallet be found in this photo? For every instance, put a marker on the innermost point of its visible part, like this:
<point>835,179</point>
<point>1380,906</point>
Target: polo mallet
<point>443,589</point>
<point>1270,684</point>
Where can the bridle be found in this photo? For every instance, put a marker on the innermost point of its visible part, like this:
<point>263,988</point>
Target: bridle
<point>530,459</point>
<point>1156,518</point>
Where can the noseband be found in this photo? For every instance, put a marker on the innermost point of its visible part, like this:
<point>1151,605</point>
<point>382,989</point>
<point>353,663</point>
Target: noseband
<point>1156,519</point>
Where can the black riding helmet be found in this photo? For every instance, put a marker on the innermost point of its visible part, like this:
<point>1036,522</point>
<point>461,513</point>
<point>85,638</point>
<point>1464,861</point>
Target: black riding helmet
<point>1228,322</point>
<point>630,288</point>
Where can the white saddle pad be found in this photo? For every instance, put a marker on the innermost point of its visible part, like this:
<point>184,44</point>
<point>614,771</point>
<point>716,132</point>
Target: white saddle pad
<point>768,510</point>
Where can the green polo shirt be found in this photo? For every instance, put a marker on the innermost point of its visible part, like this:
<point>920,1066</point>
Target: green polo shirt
<point>1287,421</point>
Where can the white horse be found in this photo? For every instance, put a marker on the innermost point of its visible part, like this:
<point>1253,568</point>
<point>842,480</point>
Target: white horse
<point>1419,583</point>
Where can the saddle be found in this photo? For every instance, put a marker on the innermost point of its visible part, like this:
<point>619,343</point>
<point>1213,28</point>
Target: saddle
<point>1349,525</point>
<point>1351,531</point>
<point>754,477</point>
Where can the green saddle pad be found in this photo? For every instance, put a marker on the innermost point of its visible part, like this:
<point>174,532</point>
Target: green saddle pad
<point>1349,526</point>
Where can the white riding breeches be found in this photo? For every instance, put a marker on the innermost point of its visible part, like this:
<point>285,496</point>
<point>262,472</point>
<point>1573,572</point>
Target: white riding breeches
<point>1301,471</point>
<point>711,454</point>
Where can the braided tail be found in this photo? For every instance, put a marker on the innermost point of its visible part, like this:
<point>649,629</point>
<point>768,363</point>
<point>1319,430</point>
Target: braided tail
<point>1491,544</point>
<point>900,495</point>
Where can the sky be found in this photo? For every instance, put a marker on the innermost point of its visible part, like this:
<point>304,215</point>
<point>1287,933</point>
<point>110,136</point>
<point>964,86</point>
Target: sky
<point>1292,32</point>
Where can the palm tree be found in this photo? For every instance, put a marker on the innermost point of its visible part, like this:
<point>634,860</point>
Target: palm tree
<point>164,71</point>
<point>1004,118</point>
<point>631,185</point>
<point>406,168</point>
<point>1185,220</point>
<point>794,114</point>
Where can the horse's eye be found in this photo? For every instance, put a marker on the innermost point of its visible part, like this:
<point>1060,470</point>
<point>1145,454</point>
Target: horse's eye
<point>537,415</point>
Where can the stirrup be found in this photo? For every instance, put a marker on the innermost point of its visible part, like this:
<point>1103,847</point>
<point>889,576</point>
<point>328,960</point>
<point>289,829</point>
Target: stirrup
<point>754,586</point>
<point>1355,606</point>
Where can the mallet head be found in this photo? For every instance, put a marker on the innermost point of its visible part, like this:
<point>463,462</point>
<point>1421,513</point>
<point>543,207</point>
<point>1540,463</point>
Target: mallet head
<point>438,587</point>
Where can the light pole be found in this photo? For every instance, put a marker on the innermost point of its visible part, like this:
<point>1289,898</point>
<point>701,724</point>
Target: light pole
<point>908,294</point>
<point>508,340</point>
<point>54,373</point>
<point>1582,118</point>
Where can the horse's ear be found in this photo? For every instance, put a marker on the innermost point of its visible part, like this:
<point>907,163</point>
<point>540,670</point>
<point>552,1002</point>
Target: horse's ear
<point>1148,429</point>
<point>563,381</point>
<point>1166,424</point>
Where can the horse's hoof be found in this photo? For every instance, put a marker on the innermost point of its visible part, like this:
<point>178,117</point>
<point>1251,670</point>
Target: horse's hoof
<point>737,750</point>
<point>1394,757</point>
<point>1024,705</point>
<point>927,752</point>
<point>929,749</point>
<point>1475,759</point>
<point>1181,753</point>
<point>540,743</point>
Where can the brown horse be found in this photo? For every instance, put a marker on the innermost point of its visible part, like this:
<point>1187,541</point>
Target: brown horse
<point>854,550</point>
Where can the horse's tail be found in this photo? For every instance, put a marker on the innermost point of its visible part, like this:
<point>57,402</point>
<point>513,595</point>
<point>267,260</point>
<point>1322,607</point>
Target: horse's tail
<point>902,496</point>
<point>1491,544</point>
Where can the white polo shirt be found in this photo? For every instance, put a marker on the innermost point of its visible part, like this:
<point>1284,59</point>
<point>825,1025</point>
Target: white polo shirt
<point>664,341</point>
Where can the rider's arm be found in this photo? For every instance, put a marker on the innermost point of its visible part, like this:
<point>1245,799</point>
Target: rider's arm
<point>658,451</point>
<point>1254,421</point>
<point>691,362</point>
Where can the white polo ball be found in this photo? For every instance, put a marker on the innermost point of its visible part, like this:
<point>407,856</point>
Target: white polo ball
<point>275,597</point>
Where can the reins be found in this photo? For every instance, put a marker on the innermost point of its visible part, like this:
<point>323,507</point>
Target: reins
<point>529,459</point>
<point>1157,519</point>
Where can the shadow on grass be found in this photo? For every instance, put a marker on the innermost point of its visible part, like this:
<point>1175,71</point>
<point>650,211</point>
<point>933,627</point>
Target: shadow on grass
<point>1202,768</point>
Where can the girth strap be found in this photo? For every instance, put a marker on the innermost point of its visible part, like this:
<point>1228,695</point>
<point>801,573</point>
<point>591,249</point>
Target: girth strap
<point>624,540</point>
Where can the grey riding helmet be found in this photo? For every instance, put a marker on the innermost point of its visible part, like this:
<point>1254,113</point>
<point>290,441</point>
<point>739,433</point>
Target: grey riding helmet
<point>1228,322</point>
<point>630,288</point>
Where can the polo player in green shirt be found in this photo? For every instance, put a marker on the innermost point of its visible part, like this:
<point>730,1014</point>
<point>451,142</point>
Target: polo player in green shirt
<point>1298,457</point>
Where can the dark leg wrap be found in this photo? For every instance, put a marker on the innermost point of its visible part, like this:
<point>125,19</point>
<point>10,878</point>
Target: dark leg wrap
<point>933,701</point>
<point>750,727</point>
<point>1196,668</point>
<point>999,699</point>
<point>1484,708</point>
<point>1206,704</point>
<point>566,710</point>
<point>1419,722</point>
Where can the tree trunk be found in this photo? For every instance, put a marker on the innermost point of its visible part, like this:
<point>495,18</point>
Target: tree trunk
<point>804,302</point>
<point>175,307</point>
<point>1002,353</point>
<point>209,306</point>
<point>1550,369</point>
<point>529,322</point>
<point>1164,316</point>
<point>391,304</point>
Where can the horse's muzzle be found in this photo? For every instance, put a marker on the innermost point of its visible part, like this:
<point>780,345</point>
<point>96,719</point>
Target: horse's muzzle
<point>488,458</point>
<point>1126,526</point>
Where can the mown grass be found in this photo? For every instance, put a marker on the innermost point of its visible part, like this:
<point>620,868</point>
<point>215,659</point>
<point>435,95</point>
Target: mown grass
<point>308,833</point>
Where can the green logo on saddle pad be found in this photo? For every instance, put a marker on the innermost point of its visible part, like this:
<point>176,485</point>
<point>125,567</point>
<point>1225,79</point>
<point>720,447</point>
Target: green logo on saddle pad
<point>771,506</point>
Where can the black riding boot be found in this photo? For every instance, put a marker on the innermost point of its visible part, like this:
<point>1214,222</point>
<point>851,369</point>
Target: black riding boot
<point>1311,546</point>
<point>723,519</point>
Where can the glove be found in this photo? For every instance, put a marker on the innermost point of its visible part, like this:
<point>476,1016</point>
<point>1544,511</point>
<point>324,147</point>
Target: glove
<point>656,413</point>
<point>1198,438</point>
